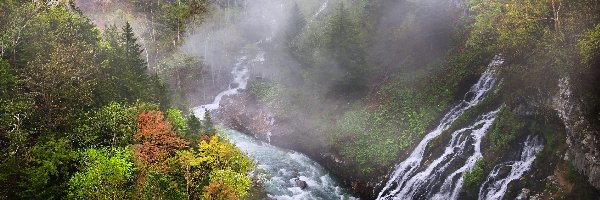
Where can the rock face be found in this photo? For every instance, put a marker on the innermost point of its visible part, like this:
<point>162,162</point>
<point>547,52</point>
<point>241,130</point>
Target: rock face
<point>524,194</point>
<point>583,139</point>
<point>243,113</point>
<point>533,103</point>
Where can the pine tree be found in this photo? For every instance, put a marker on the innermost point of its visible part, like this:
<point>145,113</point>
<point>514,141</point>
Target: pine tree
<point>133,50</point>
<point>347,49</point>
<point>194,127</point>
<point>208,124</point>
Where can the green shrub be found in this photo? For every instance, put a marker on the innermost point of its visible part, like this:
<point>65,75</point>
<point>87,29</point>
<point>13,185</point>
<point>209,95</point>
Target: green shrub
<point>474,177</point>
<point>105,174</point>
<point>264,91</point>
<point>177,120</point>
<point>506,128</point>
<point>589,46</point>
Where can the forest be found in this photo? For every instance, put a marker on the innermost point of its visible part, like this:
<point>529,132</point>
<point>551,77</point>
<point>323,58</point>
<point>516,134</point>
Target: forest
<point>107,99</point>
<point>83,116</point>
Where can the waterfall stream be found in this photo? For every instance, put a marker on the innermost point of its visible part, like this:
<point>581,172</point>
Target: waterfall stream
<point>419,178</point>
<point>240,81</point>
<point>406,181</point>
<point>495,186</point>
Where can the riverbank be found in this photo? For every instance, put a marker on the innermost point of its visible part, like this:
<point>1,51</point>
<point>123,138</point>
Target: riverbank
<point>244,113</point>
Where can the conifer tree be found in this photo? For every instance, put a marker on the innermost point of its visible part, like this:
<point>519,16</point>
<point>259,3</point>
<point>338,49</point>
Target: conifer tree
<point>347,49</point>
<point>132,50</point>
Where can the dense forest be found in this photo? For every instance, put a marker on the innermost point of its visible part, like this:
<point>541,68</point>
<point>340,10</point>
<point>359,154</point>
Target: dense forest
<point>98,98</point>
<point>84,117</point>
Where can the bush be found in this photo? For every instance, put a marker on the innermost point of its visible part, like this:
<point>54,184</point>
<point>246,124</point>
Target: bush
<point>589,46</point>
<point>177,120</point>
<point>474,177</point>
<point>506,129</point>
<point>264,91</point>
<point>227,184</point>
<point>105,174</point>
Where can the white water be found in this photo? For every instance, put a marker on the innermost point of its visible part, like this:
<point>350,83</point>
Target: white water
<point>240,81</point>
<point>321,9</point>
<point>452,185</point>
<point>406,181</point>
<point>283,166</point>
<point>495,186</point>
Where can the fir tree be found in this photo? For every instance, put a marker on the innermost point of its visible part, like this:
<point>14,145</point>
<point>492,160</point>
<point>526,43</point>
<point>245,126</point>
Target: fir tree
<point>346,47</point>
<point>133,50</point>
<point>208,124</point>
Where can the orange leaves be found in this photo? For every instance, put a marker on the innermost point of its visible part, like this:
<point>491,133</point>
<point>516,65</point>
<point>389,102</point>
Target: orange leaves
<point>157,138</point>
<point>217,190</point>
<point>152,124</point>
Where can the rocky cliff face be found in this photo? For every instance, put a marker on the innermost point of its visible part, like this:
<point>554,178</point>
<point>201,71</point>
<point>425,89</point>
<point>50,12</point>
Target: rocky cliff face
<point>243,113</point>
<point>583,139</point>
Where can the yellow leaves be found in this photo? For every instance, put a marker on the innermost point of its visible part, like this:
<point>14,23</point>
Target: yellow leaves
<point>215,154</point>
<point>511,26</point>
<point>217,168</point>
<point>227,184</point>
<point>188,157</point>
<point>219,154</point>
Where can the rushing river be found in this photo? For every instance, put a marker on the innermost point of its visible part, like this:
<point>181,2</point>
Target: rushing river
<point>284,166</point>
<point>284,169</point>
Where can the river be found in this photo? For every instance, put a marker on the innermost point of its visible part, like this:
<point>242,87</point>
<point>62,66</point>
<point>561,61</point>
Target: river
<point>283,167</point>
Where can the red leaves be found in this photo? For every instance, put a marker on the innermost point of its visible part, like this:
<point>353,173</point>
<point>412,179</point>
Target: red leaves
<point>157,138</point>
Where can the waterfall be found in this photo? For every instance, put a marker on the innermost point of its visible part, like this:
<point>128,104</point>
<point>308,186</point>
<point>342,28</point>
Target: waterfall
<point>495,186</point>
<point>404,182</point>
<point>321,9</point>
<point>240,81</point>
<point>438,181</point>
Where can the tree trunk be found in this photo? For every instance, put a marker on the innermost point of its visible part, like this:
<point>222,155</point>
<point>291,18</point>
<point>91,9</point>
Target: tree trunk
<point>556,12</point>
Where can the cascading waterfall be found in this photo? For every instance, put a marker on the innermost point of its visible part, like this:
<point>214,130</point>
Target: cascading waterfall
<point>495,185</point>
<point>451,186</point>
<point>406,181</point>
<point>240,81</point>
<point>437,181</point>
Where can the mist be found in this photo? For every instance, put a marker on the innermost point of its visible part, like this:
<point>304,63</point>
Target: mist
<point>299,99</point>
<point>395,35</point>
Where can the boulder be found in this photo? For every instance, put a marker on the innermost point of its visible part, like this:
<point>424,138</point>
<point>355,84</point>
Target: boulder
<point>300,183</point>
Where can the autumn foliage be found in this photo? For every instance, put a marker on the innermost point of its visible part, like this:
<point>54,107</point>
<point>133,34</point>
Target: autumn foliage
<point>156,138</point>
<point>217,190</point>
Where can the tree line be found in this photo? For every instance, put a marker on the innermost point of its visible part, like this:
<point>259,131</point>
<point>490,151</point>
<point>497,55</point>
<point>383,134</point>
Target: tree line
<point>82,117</point>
